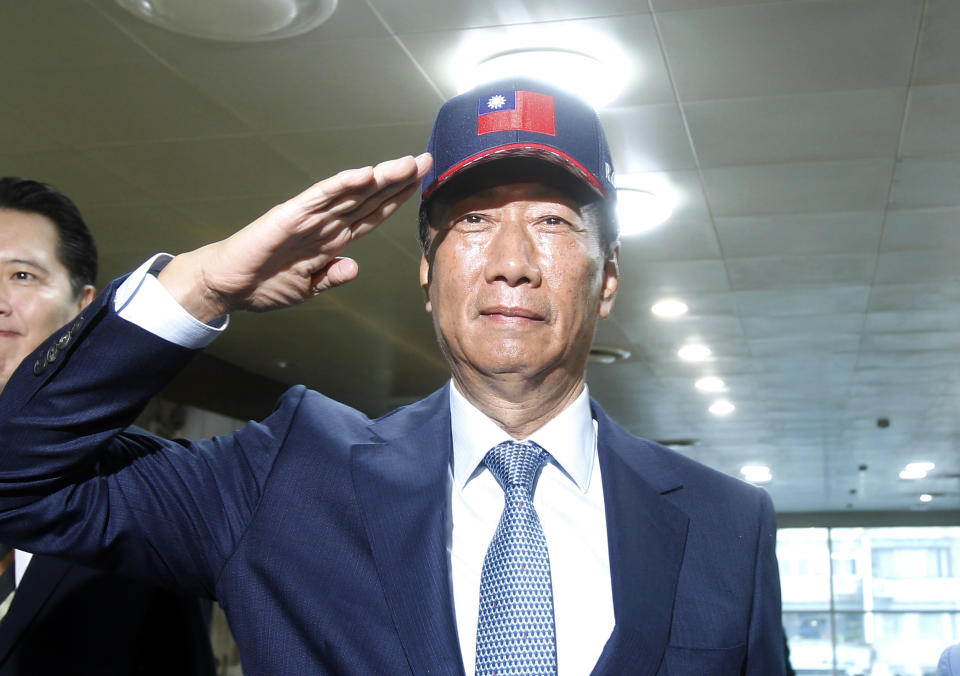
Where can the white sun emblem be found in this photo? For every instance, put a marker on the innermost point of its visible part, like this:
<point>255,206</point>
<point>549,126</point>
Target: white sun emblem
<point>498,101</point>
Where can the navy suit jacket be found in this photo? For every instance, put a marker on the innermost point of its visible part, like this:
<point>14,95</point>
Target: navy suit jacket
<point>322,532</point>
<point>70,619</point>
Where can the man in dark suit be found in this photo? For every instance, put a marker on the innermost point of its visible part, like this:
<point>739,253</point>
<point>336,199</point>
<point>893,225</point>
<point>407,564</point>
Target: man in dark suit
<point>65,618</point>
<point>504,524</point>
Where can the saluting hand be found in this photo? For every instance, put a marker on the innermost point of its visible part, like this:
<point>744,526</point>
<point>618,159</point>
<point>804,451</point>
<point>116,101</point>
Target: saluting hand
<point>292,252</point>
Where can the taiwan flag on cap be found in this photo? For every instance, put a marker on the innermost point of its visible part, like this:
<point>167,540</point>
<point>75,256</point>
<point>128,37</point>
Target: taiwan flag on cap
<point>516,110</point>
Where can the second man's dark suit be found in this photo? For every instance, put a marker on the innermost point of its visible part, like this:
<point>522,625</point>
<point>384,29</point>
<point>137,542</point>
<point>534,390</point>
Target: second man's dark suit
<point>69,619</point>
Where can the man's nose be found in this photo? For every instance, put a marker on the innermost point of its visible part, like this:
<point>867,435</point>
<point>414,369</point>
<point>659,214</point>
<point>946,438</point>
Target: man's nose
<point>511,256</point>
<point>5,307</point>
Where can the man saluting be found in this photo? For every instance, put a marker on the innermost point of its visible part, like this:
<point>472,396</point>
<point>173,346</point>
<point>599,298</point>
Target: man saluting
<point>502,525</point>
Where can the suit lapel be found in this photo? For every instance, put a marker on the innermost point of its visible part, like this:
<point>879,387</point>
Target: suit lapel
<point>37,586</point>
<point>646,537</point>
<point>401,483</point>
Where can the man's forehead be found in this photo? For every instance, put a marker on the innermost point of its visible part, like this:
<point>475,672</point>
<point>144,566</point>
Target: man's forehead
<point>516,191</point>
<point>28,238</point>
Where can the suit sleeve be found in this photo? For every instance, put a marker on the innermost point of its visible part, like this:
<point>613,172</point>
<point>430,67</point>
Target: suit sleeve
<point>73,484</point>
<point>765,650</point>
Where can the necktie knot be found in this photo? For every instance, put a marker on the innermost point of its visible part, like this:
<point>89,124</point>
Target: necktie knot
<point>515,464</point>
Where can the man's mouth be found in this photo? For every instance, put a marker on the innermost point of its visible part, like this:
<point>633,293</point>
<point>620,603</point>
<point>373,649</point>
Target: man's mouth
<point>511,313</point>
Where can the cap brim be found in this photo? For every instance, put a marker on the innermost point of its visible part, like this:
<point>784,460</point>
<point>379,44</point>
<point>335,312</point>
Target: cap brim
<point>535,150</point>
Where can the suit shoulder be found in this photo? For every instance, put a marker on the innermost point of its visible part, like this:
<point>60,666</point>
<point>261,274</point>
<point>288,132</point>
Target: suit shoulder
<point>670,471</point>
<point>300,399</point>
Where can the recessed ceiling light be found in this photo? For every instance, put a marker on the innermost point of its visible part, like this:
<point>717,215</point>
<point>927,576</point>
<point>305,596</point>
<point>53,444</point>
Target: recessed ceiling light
<point>722,407</point>
<point>916,470</point>
<point>756,474</point>
<point>596,70</point>
<point>669,307</point>
<point>233,20</point>
<point>607,354</point>
<point>694,352</point>
<point>710,384</point>
<point>926,497</point>
<point>640,211</point>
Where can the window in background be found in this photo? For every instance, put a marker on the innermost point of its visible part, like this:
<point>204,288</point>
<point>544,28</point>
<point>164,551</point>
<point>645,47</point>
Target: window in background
<point>869,601</point>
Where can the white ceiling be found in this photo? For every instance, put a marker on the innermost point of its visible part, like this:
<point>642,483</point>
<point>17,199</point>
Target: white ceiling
<point>814,146</point>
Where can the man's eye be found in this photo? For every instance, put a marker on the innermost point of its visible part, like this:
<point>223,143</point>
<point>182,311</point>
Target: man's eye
<point>470,222</point>
<point>23,276</point>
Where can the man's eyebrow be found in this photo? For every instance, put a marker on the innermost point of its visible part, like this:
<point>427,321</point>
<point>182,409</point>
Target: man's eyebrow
<point>27,262</point>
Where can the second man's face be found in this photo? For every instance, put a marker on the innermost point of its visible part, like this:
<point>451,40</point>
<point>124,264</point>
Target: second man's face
<point>35,293</point>
<point>516,282</point>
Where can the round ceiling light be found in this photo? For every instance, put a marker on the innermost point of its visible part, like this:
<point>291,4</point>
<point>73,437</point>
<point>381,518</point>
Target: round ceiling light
<point>756,474</point>
<point>669,307</point>
<point>694,352</point>
<point>721,407</point>
<point>710,384</point>
<point>233,20</point>
<point>596,70</point>
<point>640,211</point>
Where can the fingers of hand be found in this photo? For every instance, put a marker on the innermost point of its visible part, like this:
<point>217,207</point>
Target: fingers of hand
<point>364,223</point>
<point>347,189</point>
<point>338,271</point>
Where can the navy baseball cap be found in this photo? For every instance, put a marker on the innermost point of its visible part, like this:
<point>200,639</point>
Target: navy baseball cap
<point>519,117</point>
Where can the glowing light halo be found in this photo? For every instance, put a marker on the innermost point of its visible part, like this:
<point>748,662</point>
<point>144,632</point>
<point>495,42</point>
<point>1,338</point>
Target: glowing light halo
<point>596,70</point>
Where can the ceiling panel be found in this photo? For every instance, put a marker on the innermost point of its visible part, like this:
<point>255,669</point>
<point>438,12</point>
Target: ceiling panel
<point>922,229</point>
<point>770,49</point>
<point>649,138</point>
<point>675,240</point>
<point>805,128</point>
<point>802,234</point>
<point>118,104</point>
<point>939,51</point>
<point>931,128</point>
<point>56,34</point>
<point>798,188</point>
<point>921,183</point>
<point>204,168</point>
<point>438,15</point>
<point>784,271</point>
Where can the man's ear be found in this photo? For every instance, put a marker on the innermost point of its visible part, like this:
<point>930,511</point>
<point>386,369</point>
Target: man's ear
<point>425,280</point>
<point>611,279</point>
<point>86,297</point>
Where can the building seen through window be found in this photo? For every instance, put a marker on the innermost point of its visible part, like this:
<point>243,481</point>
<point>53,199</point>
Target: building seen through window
<point>870,601</point>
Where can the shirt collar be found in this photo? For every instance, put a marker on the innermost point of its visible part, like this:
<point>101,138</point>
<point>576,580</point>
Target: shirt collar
<point>570,438</point>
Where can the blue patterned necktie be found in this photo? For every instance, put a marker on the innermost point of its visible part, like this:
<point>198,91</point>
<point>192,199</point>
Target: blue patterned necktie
<point>515,632</point>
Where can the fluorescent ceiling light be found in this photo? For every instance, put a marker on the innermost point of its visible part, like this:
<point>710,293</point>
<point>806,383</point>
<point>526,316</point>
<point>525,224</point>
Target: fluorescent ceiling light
<point>710,384</point>
<point>639,211</point>
<point>669,307</point>
<point>694,352</point>
<point>596,70</point>
<point>756,474</point>
<point>926,497</point>
<point>722,407</point>
<point>233,20</point>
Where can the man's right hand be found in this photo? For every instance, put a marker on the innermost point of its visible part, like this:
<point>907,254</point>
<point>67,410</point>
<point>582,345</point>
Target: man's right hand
<point>292,252</point>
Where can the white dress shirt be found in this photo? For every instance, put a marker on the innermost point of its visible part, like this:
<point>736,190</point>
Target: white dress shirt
<point>568,496</point>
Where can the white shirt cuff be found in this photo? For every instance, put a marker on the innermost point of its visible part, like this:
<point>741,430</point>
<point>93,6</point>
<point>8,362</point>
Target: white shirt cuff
<point>143,300</point>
